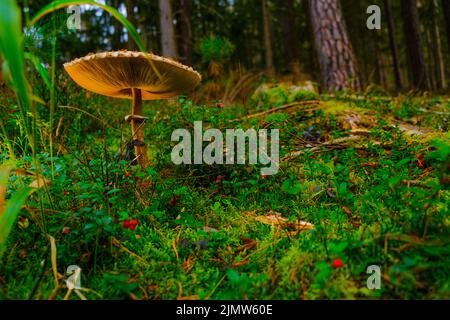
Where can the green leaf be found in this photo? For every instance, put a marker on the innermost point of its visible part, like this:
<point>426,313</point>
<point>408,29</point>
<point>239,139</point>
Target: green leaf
<point>403,162</point>
<point>40,68</point>
<point>12,207</point>
<point>323,275</point>
<point>338,248</point>
<point>292,187</point>
<point>233,276</point>
<point>112,191</point>
<point>342,188</point>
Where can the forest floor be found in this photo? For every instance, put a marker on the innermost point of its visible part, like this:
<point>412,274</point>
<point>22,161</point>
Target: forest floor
<point>363,181</point>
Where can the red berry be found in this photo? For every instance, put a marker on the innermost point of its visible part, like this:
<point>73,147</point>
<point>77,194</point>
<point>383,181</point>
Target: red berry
<point>337,263</point>
<point>136,178</point>
<point>219,179</point>
<point>127,174</point>
<point>220,105</point>
<point>132,227</point>
<point>126,224</point>
<point>174,201</point>
<point>65,193</point>
<point>264,176</point>
<point>134,222</point>
<point>66,230</point>
<point>368,164</point>
<point>420,163</point>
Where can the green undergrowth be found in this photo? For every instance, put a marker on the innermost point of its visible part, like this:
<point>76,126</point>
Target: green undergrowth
<point>379,199</point>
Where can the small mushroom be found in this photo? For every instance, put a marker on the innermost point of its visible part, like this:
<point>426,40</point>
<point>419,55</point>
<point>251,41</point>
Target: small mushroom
<point>133,75</point>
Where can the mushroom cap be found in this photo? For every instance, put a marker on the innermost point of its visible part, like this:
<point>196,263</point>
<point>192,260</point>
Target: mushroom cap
<point>115,73</point>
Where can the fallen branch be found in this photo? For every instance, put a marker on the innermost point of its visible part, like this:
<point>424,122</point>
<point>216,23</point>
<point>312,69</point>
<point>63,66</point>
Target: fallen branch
<point>285,107</point>
<point>325,144</point>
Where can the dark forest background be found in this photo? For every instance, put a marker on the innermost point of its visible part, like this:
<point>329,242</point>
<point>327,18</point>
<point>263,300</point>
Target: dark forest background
<point>410,51</point>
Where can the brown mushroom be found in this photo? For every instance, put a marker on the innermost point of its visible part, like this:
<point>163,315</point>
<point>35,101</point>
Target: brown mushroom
<point>133,75</point>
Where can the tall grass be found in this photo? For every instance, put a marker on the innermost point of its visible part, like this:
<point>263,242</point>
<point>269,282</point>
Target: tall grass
<point>9,209</point>
<point>52,93</point>
<point>11,47</point>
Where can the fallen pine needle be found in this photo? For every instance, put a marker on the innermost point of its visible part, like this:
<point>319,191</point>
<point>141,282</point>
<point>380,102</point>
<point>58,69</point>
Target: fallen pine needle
<point>116,243</point>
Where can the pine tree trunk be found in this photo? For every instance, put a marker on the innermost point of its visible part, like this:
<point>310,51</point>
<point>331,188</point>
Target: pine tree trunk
<point>186,30</point>
<point>168,46</point>
<point>417,67</point>
<point>131,16</point>
<point>439,71</point>
<point>290,38</point>
<point>378,60</point>
<point>267,40</point>
<point>336,57</point>
<point>393,46</point>
<point>429,57</point>
<point>312,56</point>
<point>446,9</point>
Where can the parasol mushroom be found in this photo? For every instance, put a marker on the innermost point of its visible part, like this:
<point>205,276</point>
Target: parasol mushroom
<point>133,75</point>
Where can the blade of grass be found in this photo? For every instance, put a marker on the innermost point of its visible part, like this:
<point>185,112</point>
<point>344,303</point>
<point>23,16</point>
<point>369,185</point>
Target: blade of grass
<point>52,93</point>
<point>40,69</point>
<point>10,209</point>
<point>12,51</point>
<point>12,155</point>
<point>53,258</point>
<point>11,48</point>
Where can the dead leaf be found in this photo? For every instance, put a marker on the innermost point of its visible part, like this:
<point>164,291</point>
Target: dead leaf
<point>347,211</point>
<point>360,132</point>
<point>352,121</point>
<point>39,182</point>
<point>209,229</point>
<point>240,263</point>
<point>413,130</point>
<point>248,244</point>
<point>53,259</point>
<point>23,222</point>
<point>277,220</point>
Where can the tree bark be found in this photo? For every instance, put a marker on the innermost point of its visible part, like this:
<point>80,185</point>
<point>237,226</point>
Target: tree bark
<point>267,39</point>
<point>417,67</point>
<point>168,45</point>
<point>393,46</point>
<point>131,16</point>
<point>336,57</point>
<point>446,9</point>
<point>378,60</point>
<point>429,58</point>
<point>439,71</point>
<point>186,31</point>
<point>290,38</point>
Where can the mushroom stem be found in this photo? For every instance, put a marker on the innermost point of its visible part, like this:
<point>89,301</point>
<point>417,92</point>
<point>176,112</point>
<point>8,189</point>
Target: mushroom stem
<point>136,128</point>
